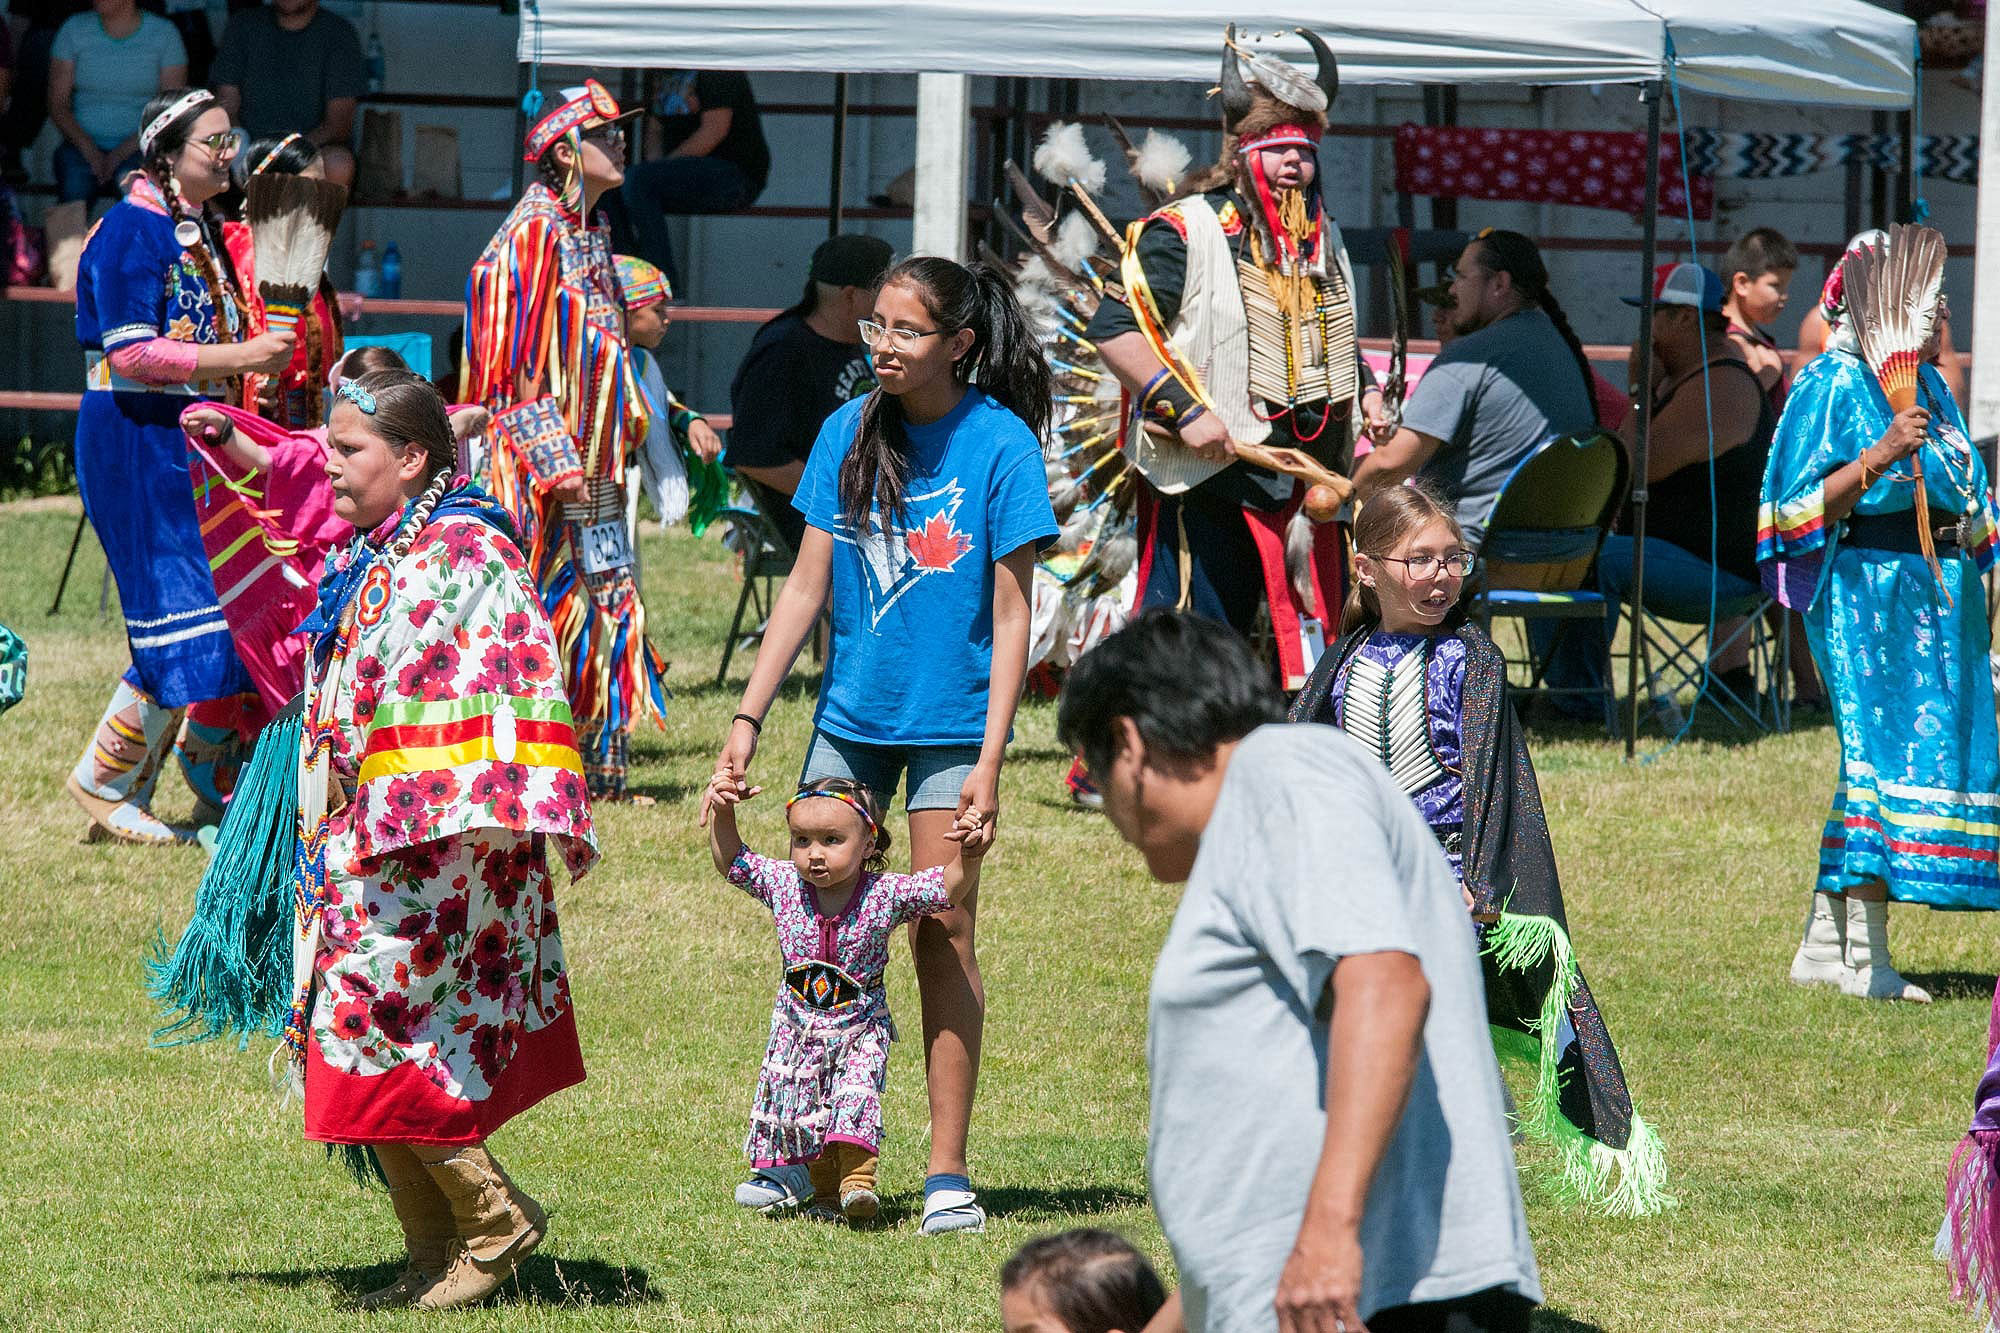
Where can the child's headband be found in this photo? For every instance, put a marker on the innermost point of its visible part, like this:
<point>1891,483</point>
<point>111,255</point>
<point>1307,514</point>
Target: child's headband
<point>848,797</point>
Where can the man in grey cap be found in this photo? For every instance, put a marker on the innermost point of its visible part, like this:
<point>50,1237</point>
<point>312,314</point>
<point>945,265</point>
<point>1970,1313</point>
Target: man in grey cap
<point>801,367</point>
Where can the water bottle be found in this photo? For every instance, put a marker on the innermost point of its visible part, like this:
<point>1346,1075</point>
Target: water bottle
<point>377,63</point>
<point>367,274</point>
<point>392,273</point>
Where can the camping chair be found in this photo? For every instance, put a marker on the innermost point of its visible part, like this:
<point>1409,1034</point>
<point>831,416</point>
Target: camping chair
<point>767,559</point>
<point>1683,664</point>
<point>1542,539</point>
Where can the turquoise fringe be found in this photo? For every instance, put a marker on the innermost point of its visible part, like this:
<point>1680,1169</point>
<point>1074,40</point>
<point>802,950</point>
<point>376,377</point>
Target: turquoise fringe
<point>230,974</point>
<point>1617,1182</point>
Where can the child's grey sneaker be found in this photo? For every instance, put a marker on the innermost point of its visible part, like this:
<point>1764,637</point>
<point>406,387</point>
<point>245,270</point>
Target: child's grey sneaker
<point>948,1210</point>
<point>776,1189</point>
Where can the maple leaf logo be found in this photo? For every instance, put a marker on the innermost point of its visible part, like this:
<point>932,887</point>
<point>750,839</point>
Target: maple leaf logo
<point>937,545</point>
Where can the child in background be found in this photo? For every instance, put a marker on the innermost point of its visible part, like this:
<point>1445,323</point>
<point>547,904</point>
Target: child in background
<point>1756,277</point>
<point>677,463</point>
<point>1084,1281</point>
<point>816,1121</point>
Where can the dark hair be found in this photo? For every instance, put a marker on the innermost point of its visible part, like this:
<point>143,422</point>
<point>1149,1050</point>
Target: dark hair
<point>1005,360</point>
<point>362,360</point>
<point>1516,255</point>
<point>409,410</point>
<point>1391,514</point>
<point>878,855</point>
<point>173,136</point>
<point>290,154</point>
<point>1092,1281</point>
<point>158,164</point>
<point>1189,683</point>
<point>1758,251</point>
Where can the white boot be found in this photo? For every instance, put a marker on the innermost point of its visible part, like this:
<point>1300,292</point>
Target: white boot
<point>1822,956</point>
<point>1871,974</point>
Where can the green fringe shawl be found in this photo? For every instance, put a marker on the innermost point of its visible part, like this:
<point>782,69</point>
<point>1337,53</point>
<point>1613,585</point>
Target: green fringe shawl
<point>1616,1182</point>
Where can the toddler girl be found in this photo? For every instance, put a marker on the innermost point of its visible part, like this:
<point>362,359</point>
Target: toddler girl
<point>816,1121</point>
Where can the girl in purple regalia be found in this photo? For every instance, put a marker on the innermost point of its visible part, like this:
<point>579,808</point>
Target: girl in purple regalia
<point>816,1121</point>
<point>1426,693</point>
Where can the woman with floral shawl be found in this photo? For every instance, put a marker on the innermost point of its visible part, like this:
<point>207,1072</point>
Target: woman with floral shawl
<point>430,1003</point>
<point>1916,811</point>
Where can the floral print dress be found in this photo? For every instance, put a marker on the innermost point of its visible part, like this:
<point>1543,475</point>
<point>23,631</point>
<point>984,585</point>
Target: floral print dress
<point>440,1003</point>
<point>827,1061</point>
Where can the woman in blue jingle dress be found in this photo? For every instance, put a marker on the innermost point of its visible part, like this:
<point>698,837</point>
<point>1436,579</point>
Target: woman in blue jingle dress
<point>1916,813</point>
<point>160,318</point>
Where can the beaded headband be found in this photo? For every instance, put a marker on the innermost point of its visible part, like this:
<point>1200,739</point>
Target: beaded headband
<point>846,797</point>
<point>352,391</point>
<point>184,103</point>
<point>1281,136</point>
<point>272,156</point>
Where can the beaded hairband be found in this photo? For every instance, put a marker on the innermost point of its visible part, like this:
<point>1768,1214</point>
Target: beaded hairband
<point>847,797</point>
<point>182,104</point>
<point>352,391</point>
<point>272,156</point>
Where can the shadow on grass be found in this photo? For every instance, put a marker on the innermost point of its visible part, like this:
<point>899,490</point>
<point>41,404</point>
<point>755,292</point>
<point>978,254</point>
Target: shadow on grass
<point>1955,985</point>
<point>1543,721</point>
<point>541,1280</point>
<point>1555,1321</point>
<point>1028,1204</point>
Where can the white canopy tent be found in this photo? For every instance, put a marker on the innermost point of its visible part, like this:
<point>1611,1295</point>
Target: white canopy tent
<point>1840,53</point>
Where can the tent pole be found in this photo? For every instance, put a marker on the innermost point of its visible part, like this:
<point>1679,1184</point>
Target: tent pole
<point>838,174</point>
<point>1649,256</point>
<point>1986,264</point>
<point>944,120</point>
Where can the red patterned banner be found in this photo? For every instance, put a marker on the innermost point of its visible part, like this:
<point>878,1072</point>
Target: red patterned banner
<point>1588,168</point>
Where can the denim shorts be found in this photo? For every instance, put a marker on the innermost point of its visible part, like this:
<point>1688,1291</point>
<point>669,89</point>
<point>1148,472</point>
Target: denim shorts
<point>936,772</point>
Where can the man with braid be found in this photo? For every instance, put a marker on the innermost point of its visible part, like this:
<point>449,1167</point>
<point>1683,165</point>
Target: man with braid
<point>1234,323</point>
<point>545,352</point>
<point>1512,375</point>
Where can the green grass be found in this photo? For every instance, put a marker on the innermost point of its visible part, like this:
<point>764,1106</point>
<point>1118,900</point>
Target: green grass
<point>158,1189</point>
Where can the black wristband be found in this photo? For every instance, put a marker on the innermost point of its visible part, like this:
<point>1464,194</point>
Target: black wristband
<point>1169,402</point>
<point>756,724</point>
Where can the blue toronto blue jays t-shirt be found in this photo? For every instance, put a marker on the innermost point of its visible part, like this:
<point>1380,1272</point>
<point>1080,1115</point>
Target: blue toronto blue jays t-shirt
<point>912,607</point>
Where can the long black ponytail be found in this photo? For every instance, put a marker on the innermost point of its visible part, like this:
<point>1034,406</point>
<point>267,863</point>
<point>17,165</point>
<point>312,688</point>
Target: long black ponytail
<point>1518,257</point>
<point>1005,361</point>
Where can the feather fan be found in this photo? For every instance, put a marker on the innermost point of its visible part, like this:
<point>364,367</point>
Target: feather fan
<point>1892,299</point>
<point>1075,242</point>
<point>1064,158</point>
<point>292,220</point>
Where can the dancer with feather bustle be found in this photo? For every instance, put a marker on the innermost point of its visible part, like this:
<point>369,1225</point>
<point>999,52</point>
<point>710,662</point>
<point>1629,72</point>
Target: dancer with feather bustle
<point>545,352</point>
<point>1236,325</point>
<point>1875,524</point>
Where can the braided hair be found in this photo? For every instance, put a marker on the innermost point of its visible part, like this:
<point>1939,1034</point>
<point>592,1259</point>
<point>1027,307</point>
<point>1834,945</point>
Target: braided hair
<point>1516,255</point>
<point>408,410</point>
<point>218,273</point>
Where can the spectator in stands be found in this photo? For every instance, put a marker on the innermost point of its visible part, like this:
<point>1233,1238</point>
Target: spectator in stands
<point>103,69</point>
<point>801,366</point>
<point>716,161</point>
<point>294,68</point>
<point>1512,375</point>
<point>1756,277</point>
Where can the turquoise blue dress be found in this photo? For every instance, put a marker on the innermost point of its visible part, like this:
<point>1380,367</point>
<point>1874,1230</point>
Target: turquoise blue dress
<point>1918,802</point>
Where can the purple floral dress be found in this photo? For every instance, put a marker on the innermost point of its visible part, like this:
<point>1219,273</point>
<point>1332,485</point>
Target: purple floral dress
<point>828,1057</point>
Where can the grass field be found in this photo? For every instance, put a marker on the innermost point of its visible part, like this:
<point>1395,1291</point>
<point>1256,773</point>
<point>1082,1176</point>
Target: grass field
<point>163,1189</point>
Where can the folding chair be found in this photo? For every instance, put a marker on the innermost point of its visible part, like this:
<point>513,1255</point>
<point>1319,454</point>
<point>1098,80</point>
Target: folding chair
<point>767,559</point>
<point>1684,661</point>
<point>1542,539</point>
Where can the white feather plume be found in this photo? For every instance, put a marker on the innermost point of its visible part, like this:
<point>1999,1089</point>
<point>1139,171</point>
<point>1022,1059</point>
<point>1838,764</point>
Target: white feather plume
<point>1076,241</point>
<point>1064,158</point>
<point>1285,81</point>
<point>1161,163</point>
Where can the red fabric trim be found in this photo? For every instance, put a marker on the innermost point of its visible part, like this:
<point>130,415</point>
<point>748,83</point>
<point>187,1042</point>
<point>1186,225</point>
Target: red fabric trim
<point>403,1106</point>
<point>1267,530</point>
<point>849,1138</point>
<point>1171,215</point>
<point>415,735</point>
<point>1149,526</point>
<point>1329,575</point>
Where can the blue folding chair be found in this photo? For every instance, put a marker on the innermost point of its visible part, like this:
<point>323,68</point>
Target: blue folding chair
<point>1542,538</point>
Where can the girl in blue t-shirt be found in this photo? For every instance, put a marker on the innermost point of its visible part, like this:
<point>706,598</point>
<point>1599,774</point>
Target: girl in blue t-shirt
<point>926,504</point>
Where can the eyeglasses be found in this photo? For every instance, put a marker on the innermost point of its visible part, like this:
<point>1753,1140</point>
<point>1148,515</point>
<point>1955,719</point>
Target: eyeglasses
<point>899,340</point>
<point>1426,566</point>
<point>611,136</point>
<point>223,145</point>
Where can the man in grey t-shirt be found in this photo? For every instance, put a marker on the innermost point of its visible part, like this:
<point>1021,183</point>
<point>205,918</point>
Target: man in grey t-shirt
<point>1329,1139</point>
<point>1512,376</point>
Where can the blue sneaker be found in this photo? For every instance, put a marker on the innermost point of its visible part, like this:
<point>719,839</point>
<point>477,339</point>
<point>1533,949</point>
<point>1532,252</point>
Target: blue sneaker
<point>776,1189</point>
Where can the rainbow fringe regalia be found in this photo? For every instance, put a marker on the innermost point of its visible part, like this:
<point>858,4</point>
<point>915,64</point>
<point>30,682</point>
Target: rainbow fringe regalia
<point>545,345</point>
<point>1904,658</point>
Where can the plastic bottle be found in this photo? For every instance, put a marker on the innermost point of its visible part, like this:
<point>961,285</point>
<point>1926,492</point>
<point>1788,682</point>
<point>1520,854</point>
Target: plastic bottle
<point>392,273</point>
<point>377,63</point>
<point>367,273</point>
